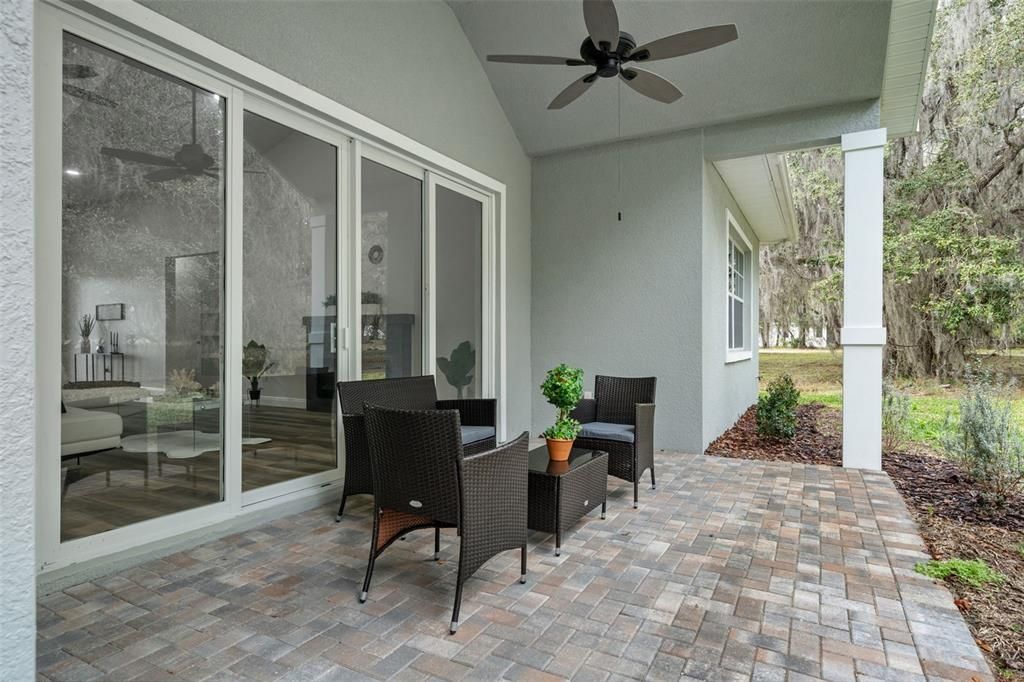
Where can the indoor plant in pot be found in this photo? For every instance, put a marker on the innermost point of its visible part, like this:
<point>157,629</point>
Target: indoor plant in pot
<point>254,366</point>
<point>563,387</point>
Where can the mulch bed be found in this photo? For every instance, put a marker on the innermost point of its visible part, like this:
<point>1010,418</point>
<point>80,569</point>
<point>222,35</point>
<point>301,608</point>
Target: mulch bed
<point>954,520</point>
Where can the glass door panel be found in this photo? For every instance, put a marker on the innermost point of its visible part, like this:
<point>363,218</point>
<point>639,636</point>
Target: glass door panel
<point>392,272</point>
<point>459,292</point>
<point>289,303</point>
<point>142,243</point>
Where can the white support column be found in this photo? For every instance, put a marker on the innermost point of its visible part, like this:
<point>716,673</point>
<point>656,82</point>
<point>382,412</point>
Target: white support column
<point>863,334</point>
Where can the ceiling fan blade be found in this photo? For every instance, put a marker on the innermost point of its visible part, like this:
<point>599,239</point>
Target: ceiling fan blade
<point>571,93</point>
<point>602,22</point>
<point>164,174</point>
<point>534,59</point>
<point>139,157</point>
<point>79,71</point>
<point>687,42</point>
<point>88,95</point>
<point>651,85</point>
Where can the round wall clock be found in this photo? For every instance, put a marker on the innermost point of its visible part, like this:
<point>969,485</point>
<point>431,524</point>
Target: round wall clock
<point>376,254</point>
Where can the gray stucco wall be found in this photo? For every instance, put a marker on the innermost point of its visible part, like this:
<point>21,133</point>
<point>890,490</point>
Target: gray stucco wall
<point>728,389</point>
<point>369,57</point>
<point>621,298</point>
<point>17,355</point>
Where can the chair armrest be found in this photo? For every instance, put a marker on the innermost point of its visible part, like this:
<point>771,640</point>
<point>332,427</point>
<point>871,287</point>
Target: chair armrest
<point>644,426</point>
<point>494,489</point>
<point>473,411</point>
<point>585,411</point>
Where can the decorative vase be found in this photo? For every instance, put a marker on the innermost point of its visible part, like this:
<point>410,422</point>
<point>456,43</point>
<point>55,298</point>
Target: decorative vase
<point>86,345</point>
<point>558,449</point>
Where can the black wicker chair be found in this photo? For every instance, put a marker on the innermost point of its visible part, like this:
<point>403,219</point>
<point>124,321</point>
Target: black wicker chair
<point>407,393</point>
<point>619,419</point>
<point>423,479</point>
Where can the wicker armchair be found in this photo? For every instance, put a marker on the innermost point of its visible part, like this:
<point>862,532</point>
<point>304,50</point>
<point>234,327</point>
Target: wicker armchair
<point>619,419</point>
<point>423,479</point>
<point>408,393</point>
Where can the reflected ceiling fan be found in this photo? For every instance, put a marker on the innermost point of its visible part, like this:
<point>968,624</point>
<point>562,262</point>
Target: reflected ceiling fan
<point>189,162</point>
<point>610,51</point>
<point>83,71</point>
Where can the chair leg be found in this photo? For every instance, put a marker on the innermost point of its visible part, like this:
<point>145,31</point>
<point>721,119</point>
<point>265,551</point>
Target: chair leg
<point>522,569</point>
<point>437,543</point>
<point>636,493</point>
<point>341,509</point>
<point>458,589</point>
<point>654,486</point>
<point>373,557</point>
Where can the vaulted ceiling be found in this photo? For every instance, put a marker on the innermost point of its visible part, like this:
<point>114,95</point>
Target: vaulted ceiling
<point>790,55</point>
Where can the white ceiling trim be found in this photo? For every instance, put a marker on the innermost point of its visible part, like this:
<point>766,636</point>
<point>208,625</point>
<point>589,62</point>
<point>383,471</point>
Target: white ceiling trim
<point>906,64</point>
<point>760,186</point>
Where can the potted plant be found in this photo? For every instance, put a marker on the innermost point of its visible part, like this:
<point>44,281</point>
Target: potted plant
<point>458,369</point>
<point>563,387</point>
<point>85,327</point>
<point>254,365</point>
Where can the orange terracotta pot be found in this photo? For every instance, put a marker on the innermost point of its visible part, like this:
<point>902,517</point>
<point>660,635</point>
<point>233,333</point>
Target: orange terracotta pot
<point>558,450</point>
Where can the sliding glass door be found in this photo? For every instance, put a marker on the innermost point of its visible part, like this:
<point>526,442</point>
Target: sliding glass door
<point>289,302</point>
<point>142,292</point>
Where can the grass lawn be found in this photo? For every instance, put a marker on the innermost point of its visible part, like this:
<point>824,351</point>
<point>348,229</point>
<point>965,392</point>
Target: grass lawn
<point>818,374</point>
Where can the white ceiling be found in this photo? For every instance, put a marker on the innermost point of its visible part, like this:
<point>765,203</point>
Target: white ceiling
<point>791,54</point>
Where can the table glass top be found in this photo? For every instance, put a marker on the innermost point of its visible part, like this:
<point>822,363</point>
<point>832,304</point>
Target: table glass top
<point>540,463</point>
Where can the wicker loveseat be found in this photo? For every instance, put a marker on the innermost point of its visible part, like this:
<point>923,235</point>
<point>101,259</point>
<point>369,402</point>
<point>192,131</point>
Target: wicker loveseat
<point>619,419</point>
<point>477,417</point>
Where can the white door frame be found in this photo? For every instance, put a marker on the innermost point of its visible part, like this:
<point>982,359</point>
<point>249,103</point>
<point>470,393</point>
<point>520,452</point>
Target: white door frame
<point>146,36</point>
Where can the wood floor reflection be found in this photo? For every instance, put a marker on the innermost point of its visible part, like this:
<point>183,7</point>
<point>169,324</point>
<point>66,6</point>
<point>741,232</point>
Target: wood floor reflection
<point>116,488</point>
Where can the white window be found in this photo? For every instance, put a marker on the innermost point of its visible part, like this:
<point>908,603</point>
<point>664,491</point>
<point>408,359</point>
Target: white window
<point>738,297</point>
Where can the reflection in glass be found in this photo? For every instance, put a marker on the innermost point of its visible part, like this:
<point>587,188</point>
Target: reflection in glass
<point>289,309</point>
<point>142,243</point>
<point>392,263</point>
<point>459,293</point>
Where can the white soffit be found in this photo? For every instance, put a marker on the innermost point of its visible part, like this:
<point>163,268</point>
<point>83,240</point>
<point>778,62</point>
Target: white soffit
<point>760,185</point>
<point>906,64</point>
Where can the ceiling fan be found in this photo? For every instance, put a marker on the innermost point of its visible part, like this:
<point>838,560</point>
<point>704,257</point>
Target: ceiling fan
<point>82,71</point>
<point>609,51</point>
<point>189,162</point>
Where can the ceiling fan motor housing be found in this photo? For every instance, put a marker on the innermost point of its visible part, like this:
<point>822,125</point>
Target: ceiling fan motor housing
<point>607,62</point>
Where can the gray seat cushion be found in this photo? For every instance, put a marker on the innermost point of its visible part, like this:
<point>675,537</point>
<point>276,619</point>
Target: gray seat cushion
<point>475,434</point>
<point>608,431</point>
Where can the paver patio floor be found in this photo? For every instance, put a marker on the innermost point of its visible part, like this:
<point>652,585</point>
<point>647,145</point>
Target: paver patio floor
<point>731,570</point>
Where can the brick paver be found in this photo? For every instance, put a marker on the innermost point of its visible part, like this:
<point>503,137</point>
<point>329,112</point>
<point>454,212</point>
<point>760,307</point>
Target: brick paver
<point>731,570</point>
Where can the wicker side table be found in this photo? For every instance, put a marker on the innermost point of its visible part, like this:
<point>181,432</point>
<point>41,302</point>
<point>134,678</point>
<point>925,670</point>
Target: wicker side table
<point>562,493</point>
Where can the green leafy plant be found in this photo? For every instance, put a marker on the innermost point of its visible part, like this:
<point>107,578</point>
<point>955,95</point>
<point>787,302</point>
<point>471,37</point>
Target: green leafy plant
<point>776,409</point>
<point>255,363</point>
<point>973,572</point>
<point>458,369</point>
<point>183,382</point>
<point>895,417</point>
<point>985,440</point>
<point>563,388</point>
<point>85,326</point>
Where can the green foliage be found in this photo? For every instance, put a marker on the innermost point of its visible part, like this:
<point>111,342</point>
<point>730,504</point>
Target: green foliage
<point>990,62</point>
<point>973,572</point>
<point>85,325</point>
<point>895,417</point>
<point>563,388</point>
<point>563,429</point>
<point>986,440</point>
<point>255,362</point>
<point>458,369</point>
<point>776,409</point>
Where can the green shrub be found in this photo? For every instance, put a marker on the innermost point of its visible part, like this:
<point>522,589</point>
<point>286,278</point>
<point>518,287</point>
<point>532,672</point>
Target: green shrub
<point>973,572</point>
<point>776,409</point>
<point>985,440</point>
<point>895,417</point>
<point>563,387</point>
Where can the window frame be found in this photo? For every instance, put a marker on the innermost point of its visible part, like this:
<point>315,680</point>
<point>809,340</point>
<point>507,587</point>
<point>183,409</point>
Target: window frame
<point>736,237</point>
